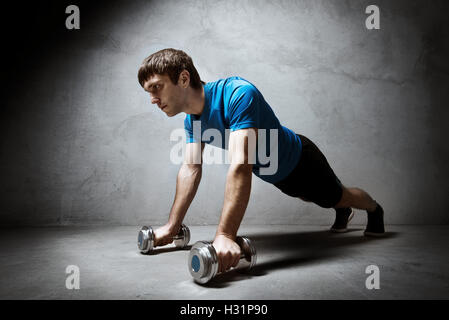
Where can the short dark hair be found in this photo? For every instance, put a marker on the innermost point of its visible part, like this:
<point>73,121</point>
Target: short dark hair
<point>169,62</point>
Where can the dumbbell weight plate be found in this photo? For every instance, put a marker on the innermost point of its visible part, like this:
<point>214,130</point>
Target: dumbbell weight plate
<point>182,239</point>
<point>203,259</point>
<point>249,251</point>
<point>145,239</point>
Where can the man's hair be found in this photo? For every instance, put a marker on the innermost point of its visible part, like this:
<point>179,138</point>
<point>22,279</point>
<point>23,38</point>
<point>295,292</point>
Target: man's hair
<point>169,62</point>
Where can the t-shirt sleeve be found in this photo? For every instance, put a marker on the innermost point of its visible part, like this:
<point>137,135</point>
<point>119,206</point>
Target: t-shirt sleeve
<point>244,108</point>
<point>188,129</point>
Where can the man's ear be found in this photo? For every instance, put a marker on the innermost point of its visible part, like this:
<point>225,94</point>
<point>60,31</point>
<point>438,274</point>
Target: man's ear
<point>184,79</point>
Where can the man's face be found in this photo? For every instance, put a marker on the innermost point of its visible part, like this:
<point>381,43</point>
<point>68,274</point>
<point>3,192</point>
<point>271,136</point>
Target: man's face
<point>170,98</point>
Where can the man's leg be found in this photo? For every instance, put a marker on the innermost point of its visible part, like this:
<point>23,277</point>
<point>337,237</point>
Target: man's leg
<point>359,199</point>
<point>313,180</point>
<point>356,198</point>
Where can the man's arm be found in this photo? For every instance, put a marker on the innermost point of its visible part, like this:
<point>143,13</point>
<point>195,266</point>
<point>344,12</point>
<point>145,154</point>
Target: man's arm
<point>187,182</point>
<point>242,146</point>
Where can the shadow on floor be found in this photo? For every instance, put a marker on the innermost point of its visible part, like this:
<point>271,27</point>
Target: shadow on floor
<point>299,248</point>
<point>158,250</point>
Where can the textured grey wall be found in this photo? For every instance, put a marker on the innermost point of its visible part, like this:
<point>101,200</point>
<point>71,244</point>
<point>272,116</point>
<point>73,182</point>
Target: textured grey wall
<point>85,146</point>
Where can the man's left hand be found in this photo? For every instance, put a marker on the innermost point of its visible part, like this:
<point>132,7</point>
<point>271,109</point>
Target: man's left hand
<point>228,252</point>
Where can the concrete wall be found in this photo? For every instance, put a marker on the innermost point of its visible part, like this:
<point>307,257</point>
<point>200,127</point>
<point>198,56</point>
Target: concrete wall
<point>82,144</point>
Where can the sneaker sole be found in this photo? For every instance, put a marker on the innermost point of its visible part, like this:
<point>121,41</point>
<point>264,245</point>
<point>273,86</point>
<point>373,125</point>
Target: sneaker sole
<point>374,234</point>
<point>345,229</point>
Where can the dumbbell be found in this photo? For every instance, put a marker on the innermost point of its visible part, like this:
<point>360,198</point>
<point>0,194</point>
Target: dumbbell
<point>203,259</point>
<point>145,239</point>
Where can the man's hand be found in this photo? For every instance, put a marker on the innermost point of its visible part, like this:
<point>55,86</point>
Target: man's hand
<point>164,235</point>
<point>228,252</point>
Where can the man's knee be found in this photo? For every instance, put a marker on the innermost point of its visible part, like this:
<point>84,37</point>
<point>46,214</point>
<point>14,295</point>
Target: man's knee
<point>345,200</point>
<point>304,199</point>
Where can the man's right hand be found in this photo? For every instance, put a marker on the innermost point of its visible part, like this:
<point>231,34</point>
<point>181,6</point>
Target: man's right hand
<point>164,235</point>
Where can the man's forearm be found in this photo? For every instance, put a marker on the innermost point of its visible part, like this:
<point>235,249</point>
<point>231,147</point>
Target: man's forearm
<point>237,193</point>
<point>187,182</point>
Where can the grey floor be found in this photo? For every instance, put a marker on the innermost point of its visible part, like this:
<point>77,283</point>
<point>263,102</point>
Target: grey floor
<point>294,262</point>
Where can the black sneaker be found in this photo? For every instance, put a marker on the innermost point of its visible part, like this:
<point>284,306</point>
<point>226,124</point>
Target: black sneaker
<point>342,218</point>
<point>375,226</point>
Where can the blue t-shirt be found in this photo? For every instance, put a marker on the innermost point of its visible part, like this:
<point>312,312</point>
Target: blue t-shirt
<point>235,103</point>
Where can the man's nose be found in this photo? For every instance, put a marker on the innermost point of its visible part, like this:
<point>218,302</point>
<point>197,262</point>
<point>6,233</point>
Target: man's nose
<point>155,100</point>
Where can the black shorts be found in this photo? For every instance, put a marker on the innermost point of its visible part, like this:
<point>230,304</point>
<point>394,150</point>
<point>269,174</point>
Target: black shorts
<point>312,179</point>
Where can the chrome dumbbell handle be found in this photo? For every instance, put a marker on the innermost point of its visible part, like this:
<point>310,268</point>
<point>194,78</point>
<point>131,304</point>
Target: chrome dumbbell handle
<point>203,259</point>
<point>145,239</point>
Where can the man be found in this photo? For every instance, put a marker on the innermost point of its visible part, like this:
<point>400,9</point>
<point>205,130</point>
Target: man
<point>234,104</point>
